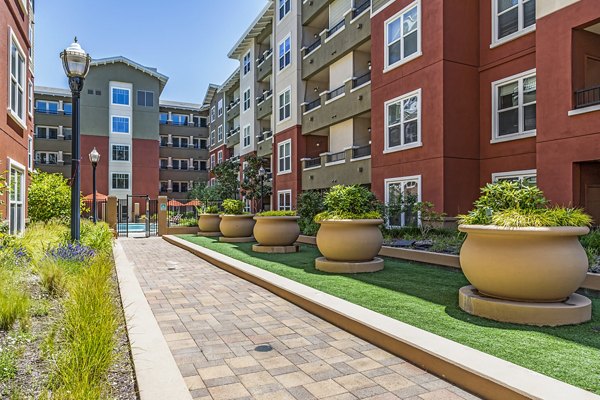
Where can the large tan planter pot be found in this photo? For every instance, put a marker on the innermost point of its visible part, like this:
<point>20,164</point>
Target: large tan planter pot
<point>236,226</point>
<point>276,231</point>
<point>209,222</point>
<point>524,264</point>
<point>350,240</point>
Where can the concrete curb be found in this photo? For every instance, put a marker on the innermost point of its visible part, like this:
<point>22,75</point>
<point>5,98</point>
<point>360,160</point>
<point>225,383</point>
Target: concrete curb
<point>156,371</point>
<point>480,373</point>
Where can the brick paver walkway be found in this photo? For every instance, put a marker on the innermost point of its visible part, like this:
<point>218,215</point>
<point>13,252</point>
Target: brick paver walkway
<point>234,340</point>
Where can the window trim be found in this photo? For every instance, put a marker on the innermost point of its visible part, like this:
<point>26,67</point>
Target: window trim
<point>128,153</point>
<point>31,100</point>
<point>287,89</point>
<point>388,67</point>
<point>495,85</point>
<point>112,103</point>
<point>21,121</point>
<point>514,174</point>
<point>419,142</point>
<point>220,108</point>
<point>112,173</point>
<point>286,37</point>
<point>244,145</point>
<point>288,12</point>
<point>400,179</point>
<point>219,157</point>
<point>12,164</point>
<point>279,158</point>
<point>220,133</point>
<point>128,125</point>
<point>47,153</point>
<point>520,32</point>
<point>284,192</point>
<point>247,56</point>
<point>30,153</point>
<point>244,109</point>
<point>145,98</point>
<point>47,127</point>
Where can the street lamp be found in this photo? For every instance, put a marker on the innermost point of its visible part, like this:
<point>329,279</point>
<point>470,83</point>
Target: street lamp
<point>94,159</point>
<point>261,174</point>
<point>76,63</point>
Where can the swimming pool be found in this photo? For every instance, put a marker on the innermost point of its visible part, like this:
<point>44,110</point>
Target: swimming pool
<point>135,227</point>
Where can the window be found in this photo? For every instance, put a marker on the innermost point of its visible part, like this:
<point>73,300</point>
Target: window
<point>179,119</point>
<point>183,164</point>
<point>246,99</point>
<point>67,133</point>
<point>120,152</point>
<point>120,124</point>
<point>163,163</point>
<point>30,103</point>
<point>403,122</point>
<point>183,187</point>
<point>46,132</point>
<point>164,141</point>
<point>247,63</point>
<point>46,157</point>
<point>514,105</point>
<point>246,136</point>
<point>164,186</point>
<point>16,206</point>
<point>212,161</point>
<point>284,200</point>
<point>212,138</point>
<point>17,79</point>
<point>202,166</point>
<point>120,181</point>
<point>212,114</point>
<point>175,187</point>
<point>220,107</point>
<point>30,153</point>
<point>284,8</point>
<point>163,118</point>
<point>398,193</point>
<point>220,133</point>
<point>284,154</point>
<point>511,17</point>
<point>182,142</point>
<point>285,52</point>
<point>120,96</point>
<point>68,109</point>
<point>46,107</point>
<point>285,107</point>
<point>220,157</point>
<point>202,123</point>
<point>527,177</point>
<point>145,98</point>
<point>402,36</point>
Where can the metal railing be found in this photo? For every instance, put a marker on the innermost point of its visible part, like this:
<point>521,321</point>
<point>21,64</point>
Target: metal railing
<point>362,151</point>
<point>266,94</point>
<point>313,162</point>
<point>336,92</point>
<point>333,157</point>
<point>265,55</point>
<point>313,46</point>
<point>233,104</point>
<point>178,123</point>
<point>312,105</point>
<point>361,80</point>
<point>336,28</point>
<point>359,9</point>
<point>182,212</point>
<point>587,97</point>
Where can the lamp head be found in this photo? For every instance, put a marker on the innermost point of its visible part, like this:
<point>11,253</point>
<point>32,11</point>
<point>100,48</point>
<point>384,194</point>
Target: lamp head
<point>76,62</point>
<point>94,156</point>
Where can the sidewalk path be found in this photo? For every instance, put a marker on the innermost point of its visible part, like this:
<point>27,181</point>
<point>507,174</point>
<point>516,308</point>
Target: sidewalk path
<point>234,340</point>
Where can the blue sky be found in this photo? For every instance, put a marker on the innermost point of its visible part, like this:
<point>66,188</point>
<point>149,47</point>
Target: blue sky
<point>187,40</point>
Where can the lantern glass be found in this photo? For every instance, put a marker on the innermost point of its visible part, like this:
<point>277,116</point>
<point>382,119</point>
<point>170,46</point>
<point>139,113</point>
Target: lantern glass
<point>94,156</point>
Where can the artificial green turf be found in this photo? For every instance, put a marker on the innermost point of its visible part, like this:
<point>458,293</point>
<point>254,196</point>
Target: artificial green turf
<point>427,297</point>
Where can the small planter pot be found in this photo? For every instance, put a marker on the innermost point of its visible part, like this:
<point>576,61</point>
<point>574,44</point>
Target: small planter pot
<point>276,231</point>
<point>350,240</point>
<point>237,226</point>
<point>524,264</point>
<point>209,222</point>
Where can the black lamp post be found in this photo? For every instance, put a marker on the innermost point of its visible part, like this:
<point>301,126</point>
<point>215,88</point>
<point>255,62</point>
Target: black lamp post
<point>76,63</point>
<point>261,174</point>
<point>94,159</point>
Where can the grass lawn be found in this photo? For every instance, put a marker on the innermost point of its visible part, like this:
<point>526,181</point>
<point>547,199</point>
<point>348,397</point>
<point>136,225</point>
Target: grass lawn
<point>427,297</point>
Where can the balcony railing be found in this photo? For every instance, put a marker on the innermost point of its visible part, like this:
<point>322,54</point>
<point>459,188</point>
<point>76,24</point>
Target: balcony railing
<point>336,28</point>
<point>265,55</point>
<point>312,105</point>
<point>233,104</point>
<point>233,131</point>
<point>336,92</point>
<point>361,80</point>
<point>266,94</point>
<point>359,10</point>
<point>362,151</point>
<point>313,46</point>
<point>313,162</point>
<point>334,157</point>
<point>587,97</point>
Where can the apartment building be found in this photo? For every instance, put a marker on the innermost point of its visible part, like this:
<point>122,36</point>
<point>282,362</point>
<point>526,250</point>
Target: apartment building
<point>148,146</point>
<point>16,136</point>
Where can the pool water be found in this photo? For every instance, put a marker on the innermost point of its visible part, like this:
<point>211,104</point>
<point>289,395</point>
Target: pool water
<point>135,227</point>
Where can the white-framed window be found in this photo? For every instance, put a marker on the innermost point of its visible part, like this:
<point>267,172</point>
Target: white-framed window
<point>220,157</point>
<point>180,163</point>
<point>213,114</point>
<point>179,187</point>
<point>180,141</point>
<point>284,200</point>
<point>285,52</point>
<point>163,163</point>
<point>220,107</point>
<point>246,98</point>
<point>30,153</point>
<point>284,8</point>
<point>46,107</point>
<point>397,192</point>
<point>212,161</point>
<point>285,105</point>
<point>247,63</point>
<point>512,18</point>
<point>16,198</point>
<point>30,102</point>
<point>120,152</point>
<point>119,124</point>
<point>145,98</point>
<point>67,133</point>
<point>16,79</point>
<point>403,36</point>
<point>180,119</point>
<point>212,138</point>
<point>246,136</point>
<point>120,96</point>
<point>403,122</point>
<point>284,157</point>
<point>46,132</point>
<point>514,107</point>
<point>46,157</point>
<point>527,177</point>
<point>164,186</point>
<point>120,180</point>
<point>220,133</point>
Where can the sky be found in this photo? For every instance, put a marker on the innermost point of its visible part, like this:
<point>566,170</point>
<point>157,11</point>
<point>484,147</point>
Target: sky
<point>187,40</point>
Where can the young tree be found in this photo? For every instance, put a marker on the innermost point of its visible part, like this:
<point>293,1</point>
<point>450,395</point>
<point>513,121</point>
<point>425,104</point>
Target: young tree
<point>251,187</point>
<point>49,196</point>
<point>226,174</point>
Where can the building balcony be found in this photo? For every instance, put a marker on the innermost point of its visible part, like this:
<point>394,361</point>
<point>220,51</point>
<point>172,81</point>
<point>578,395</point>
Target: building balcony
<point>587,97</point>
<point>183,152</point>
<point>334,106</point>
<point>312,8</point>
<point>333,43</point>
<point>349,167</point>
<point>182,174</point>
<point>53,145</point>
<point>183,130</point>
<point>233,109</point>
<point>264,146</point>
<point>264,105</point>
<point>59,168</point>
<point>233,137</point>
<point>264,65</point>
<point>42,117</point>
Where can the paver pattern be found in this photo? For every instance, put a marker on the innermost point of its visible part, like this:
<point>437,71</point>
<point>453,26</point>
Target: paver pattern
<point>234,340</point>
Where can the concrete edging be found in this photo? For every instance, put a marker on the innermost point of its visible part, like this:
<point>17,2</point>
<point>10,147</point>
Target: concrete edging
<point>157,374</point>
<point>592,280</point>
<point>473,370</point>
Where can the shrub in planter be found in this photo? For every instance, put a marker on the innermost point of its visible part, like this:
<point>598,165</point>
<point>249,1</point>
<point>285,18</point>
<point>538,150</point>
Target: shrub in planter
<point>209,219</point>
<point>234,222</point>
<point>276,228</point>
<point>520,248</point>
<point>310,203</point>
<point>349,229</point>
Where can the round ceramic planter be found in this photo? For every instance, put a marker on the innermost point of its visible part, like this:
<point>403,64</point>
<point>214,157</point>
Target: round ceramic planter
<point>276,231</point>
<point>524,264</point>
<point>350,239</point>
<point>235,226</point>
<point>209,222</point>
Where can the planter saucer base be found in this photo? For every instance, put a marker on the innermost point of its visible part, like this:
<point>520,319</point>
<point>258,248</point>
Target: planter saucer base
<point>259,248</point>
<point>576,309</point>
<point>236,239</point>
<point>346,267</point>
<point>209,234</point>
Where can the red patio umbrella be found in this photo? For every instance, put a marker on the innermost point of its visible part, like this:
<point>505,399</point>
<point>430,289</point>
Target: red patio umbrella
<point>99,197</point>
<point>194,203</point>
<point>174,203</point>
